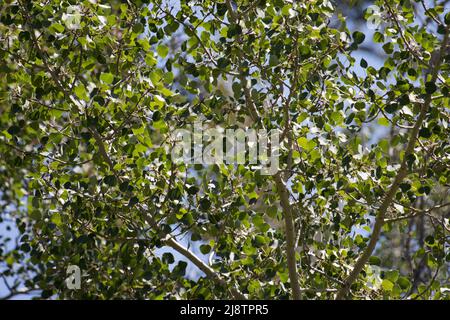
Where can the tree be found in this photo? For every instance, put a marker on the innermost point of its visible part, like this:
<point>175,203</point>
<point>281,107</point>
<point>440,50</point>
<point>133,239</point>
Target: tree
<point>92,93</point>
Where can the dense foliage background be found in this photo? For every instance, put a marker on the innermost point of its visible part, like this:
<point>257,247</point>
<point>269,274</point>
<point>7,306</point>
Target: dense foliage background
<point>91,90</point>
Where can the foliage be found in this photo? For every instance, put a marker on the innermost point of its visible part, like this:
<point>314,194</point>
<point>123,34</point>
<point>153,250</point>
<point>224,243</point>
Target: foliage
<point>90,92</point>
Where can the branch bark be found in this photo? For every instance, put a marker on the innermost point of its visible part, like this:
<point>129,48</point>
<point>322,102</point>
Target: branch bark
<point>290,236</point>
<point>403,171</point>
<point>282,190</point>
<point>171,242</point>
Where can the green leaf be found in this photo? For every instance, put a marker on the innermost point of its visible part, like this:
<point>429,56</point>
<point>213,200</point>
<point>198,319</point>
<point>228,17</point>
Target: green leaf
<point>404,283</point>
<point>388,47</point>
<point>387,285</point>
<point>138,28</point>
<point>56,219</point>
<point>80,92</point>
<point>107,78</point>
<point>425,133</point>
<point>223,63</point>
<point>205,204</point>
<point>162,50</point>
<point>260,240</point>
<point>234,30</point>
<point>358,37</point>
<point>110,180</point>
<point>337,117</point>
<point>57,27</point>
<point>392,275</point>
<point>430,87</point>
<point>193,190</point>
<point>383,121</point>
<point>205,248</point>
<point>391,108</point>
<point>168,258</point>
<point>13,130</point>
<point>306,144</point>
<point>272,211</point>
<point>378,37</point>
<point>363,63</point>
<point>373,260</point>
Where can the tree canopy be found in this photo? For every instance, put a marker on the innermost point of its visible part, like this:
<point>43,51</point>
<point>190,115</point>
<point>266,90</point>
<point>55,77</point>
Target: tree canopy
<point>91,92</point>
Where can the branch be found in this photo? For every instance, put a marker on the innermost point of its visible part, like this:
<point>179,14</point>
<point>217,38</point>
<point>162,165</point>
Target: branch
<point>13,290</point>
<point>248,96</point>
<point>14,293</point>
<point>203,267</point>
<point>171,242</point>
<point>408,46</point>
<point>290,236</point>
<point>379,221</point>
<point>284,192</point>
<point>101,147</point>
<point>281,187</point>
<point>417,213</point>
